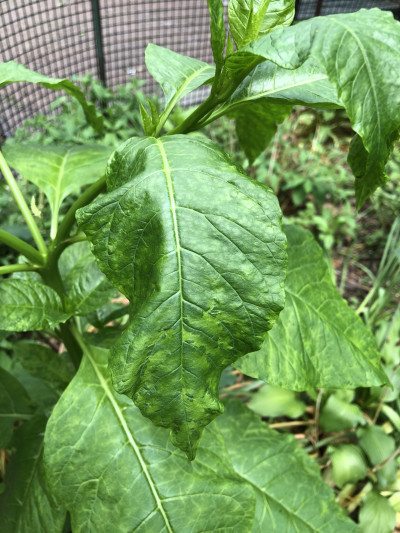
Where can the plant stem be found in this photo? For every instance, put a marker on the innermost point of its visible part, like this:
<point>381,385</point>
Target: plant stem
<point>8,269</point>
<point>193,120</point>
<point>69,220</point>
<point>69,339</point>
<point>23,207</point>
<point>328,440</point>
<point>21,246</point>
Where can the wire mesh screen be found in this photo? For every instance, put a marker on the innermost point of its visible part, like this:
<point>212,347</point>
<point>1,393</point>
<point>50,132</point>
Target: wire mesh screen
<point>62,39</point>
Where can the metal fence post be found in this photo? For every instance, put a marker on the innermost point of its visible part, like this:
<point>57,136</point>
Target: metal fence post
<point>99,40</point>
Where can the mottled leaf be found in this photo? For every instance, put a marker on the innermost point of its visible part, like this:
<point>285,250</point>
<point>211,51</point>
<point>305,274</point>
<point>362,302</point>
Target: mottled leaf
<point>318,341</point>
<point>86,287</point>
<point>15,405</point>
<point>58,170</point>
<point>245,19</point>
<point>29,305</point>
<point>241,480</point>
<point>28,504</point>
<point>111,462</point>
<point>196,246</point>
<point>12,72</point>
<point>280,13</point>
<point>217,28</point>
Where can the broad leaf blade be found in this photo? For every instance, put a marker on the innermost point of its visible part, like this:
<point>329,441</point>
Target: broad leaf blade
<point>29,306</point>
<point>290,494</point>
<point>318,341</point>
<point>58,170</point>
<point>14,405</point>
<point>12,72</point>
<point>197,248</point>
<point>240,462</point>
<point>86,287</point>
<point>245,19</point>
<point>178,75</point>
<point>28,505</point>
<point>137,475</point>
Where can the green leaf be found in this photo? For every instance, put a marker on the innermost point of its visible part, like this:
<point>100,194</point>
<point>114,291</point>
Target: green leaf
<point>15,404</point>
<point>378,447</point>
<point>197,247</point>
<point>280,13</point>
<point>42,362</point>
<point>29,305</point>
<point>133,457</point>
<point>28,504</point>
<point>256,124</point>
<point>217,28</point>
<point>274,401</point>
<point>348,464</point>
<point>338,414</point>
<point>349,49</point>
<point>178,75</point>
<point>245,19</point>
<point>377,515</point>
<point>12,72</point>
<point>318,341</point>
<point>58,170</point>
<point>137,475</point>
<point>86,287</point>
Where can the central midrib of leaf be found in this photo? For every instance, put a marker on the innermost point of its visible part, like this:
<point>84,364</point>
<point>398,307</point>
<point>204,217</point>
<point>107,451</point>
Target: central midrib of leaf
<point>171,196</point>
<point>54,220</point>
<point>129,436</point>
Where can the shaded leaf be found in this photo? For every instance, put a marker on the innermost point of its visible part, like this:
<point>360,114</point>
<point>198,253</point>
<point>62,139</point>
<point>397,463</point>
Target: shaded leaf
<point>58,170</point>
<point>377,515</point>
<point>196,246</point>
<point>12,72</point>
<point>348,464</point>
<point>378,447</point>
<point>86,287</point>
<point>274,401</point>
<point>318,341</point>
<point>15,404</point>
<point>29,305</point>
<point>338,414</point>
<point>28,504</point>
<point>243,483</point>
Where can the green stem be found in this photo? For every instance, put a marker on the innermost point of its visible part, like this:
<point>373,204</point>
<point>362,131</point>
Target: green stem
<point>193,120</point>
<point>23,207</point>
<point>21,246</point>
<point>328,440</point>
<point>69,220</point>
<point>9,269</point>
<point>71,344</point>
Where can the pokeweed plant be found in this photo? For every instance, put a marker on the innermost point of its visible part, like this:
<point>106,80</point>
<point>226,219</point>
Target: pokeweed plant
<point>198,249</point>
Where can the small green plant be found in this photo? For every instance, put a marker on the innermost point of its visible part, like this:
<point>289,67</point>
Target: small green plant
<point>134,441</point>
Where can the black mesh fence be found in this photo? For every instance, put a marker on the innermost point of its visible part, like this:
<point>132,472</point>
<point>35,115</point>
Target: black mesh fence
<point>108,38</point>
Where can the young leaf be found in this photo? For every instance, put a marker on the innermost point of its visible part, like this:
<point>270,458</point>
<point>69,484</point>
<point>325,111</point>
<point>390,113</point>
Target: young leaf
<point>245,19</point>
<point>134,457</point>
<point>280,13</point>
<point>220,487</point>
<point>178,75</point>
<point>29,306</point>
<point>218,34</point>
<point>28,504</point>
<point>15,404</point>
<point>86,287</point>
<point>377,515</point>
<point>12,72</point>
<point>378,447</point>
<point>318,341</point>
<point>196,246</point>
<point>351,56</point>
<point>58,170</point>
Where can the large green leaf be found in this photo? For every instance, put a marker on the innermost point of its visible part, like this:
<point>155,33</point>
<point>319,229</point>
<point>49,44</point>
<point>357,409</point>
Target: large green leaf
<point>245,19</point>
<point>58,170</point>
<point>178,75</point>
<point>104,460</point>
<point>28,505</point>
<point>12,72</point>
<point>360,54</point>
<point>86,287</point>
<point>28,306</point>
<point>318,341</point>
<point>198,249</point>
<point>14,405</point>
